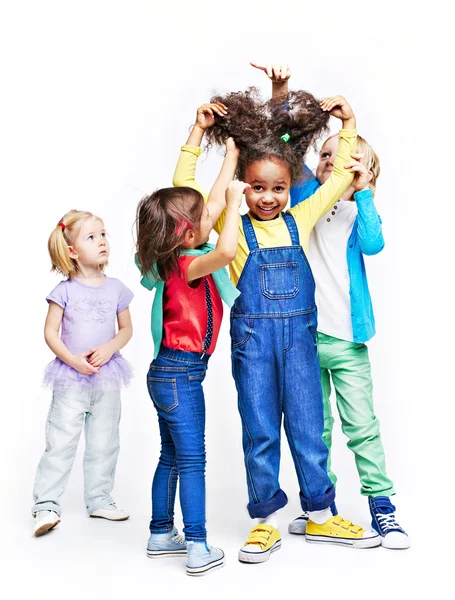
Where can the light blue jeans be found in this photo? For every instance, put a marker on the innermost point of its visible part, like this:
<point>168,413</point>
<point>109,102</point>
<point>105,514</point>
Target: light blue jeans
<point>70,412</point>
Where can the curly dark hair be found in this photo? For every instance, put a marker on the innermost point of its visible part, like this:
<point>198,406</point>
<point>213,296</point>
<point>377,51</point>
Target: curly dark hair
<point>161,222</point>
<point>257,127</point>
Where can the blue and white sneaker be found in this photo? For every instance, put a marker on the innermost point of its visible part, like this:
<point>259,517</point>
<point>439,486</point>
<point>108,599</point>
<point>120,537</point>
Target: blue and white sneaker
<point>203,559</point>
<point>383,513</point>
<point>298,526</point>
<point>166,545</point>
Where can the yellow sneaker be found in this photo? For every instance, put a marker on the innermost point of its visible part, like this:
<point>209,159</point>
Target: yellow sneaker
<point>262,541</point>
<point>339,531</point>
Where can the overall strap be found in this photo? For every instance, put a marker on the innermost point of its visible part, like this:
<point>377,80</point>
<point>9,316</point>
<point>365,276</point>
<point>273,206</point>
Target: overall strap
<point>248,230</point>
<point>292,227</point>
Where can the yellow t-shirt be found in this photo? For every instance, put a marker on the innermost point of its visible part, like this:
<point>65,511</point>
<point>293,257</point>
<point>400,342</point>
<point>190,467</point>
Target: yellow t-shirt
<point>271,234</point>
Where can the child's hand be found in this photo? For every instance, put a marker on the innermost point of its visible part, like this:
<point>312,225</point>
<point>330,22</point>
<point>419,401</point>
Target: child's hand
<point>231,148</point>
<point>205,117</point>
<point>234,193</point>
<point>100,355</point>
<point>277,72</point>
<point>81,364</point>
<point>338,107</point>
<point>362,175</point>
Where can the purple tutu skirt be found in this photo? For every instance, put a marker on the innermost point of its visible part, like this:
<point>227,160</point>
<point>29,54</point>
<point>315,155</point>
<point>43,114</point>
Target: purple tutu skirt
<point>114,375</point>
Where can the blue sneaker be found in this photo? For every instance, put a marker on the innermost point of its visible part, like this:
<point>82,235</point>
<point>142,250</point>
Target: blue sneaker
<point>298,526</point>
<point>166,545</point>
<point>203,559</point>
<point>383,513</point>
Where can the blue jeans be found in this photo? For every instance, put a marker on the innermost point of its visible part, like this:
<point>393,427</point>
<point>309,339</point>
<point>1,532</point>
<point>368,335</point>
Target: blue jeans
<point>174,383</point>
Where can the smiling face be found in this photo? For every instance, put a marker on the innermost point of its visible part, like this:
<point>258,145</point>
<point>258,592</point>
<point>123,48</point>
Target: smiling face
<point>91,248</point>
<point>270,183</point>
<point>327,158</point>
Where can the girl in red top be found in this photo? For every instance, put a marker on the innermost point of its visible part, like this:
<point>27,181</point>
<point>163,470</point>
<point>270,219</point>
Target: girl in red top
<point>173,226</point>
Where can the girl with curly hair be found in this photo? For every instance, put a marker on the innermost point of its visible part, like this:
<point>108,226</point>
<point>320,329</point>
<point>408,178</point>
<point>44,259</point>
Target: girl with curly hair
<point>273,321</point>
<point>340,239</point>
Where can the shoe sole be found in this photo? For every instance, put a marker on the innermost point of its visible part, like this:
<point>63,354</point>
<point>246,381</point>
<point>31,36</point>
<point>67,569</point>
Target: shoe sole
<point>204,570</point>
<point>258,557</point>
<point>166,553</point>
<point>404,546</point>
<point>373,542</point>
<point>108,518</point>
<point>45,528</point>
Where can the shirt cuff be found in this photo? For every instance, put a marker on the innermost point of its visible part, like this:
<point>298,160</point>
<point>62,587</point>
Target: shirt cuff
<point>346,133</point>
<point>363,196</point>
<point>196,150</point>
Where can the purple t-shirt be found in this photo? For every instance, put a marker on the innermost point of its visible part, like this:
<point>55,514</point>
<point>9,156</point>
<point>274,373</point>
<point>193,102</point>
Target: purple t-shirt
<point>90,313</point>
<point>89,319</point>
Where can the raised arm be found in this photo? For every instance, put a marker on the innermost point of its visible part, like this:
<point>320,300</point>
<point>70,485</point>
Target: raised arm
<point>217,198</point>
<point>226,247</point>
<point>278,73</point>
<point>343,168</point>
<point>185,171</point>
<point>369,226</point>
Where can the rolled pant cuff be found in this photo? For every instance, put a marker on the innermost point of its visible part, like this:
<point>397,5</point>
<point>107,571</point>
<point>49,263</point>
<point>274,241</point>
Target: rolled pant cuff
<point>46,506</point>
<point>264,509</point>
<point>318,503</point>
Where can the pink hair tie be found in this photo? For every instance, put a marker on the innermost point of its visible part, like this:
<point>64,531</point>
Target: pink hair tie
<point>62,225</point>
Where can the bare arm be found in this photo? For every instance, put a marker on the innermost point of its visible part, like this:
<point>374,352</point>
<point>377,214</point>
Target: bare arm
<point>226,247</point>
<point>217,197</point>
<point>103,353</point>
<point>55,343</point>
<point>279,74</point>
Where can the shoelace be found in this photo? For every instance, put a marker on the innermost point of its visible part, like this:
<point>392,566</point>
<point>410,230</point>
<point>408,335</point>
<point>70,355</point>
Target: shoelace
<point>345,524</point>
<point>178,538</point>
<point>387,522</point>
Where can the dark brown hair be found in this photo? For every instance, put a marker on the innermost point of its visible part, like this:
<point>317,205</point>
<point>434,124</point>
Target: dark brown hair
<point>161,221</point>
<point>257,127</point>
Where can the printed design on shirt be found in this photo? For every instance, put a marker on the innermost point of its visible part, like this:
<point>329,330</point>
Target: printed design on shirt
<point>93,307</point>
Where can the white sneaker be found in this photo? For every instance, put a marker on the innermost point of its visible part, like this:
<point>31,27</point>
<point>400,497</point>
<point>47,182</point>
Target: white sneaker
<point>111,512</point>
<point>45,520</point>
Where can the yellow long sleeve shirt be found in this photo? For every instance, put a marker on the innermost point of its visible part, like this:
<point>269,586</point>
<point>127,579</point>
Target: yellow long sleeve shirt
<point>271,234</point>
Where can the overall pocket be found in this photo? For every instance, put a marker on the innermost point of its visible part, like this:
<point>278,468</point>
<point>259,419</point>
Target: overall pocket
<point>280,281</point>
<point>241,331</point>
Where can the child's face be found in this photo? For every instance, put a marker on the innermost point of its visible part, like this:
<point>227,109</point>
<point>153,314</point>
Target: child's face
<point>195,238</point>
<point>269,192</point>
<point>327,158</point>
<point>91,248</point>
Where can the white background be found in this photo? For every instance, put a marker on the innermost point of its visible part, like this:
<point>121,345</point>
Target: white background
<point>97,97</point>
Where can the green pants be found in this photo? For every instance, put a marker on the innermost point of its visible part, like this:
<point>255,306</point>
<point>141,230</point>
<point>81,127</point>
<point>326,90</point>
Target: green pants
<point>349,366</point>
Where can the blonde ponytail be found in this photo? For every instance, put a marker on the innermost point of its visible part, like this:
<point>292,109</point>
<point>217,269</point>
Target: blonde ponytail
<point>63,236</point>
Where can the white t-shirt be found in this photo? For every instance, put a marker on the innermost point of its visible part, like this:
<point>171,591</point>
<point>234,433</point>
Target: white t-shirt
<point>328,260</point>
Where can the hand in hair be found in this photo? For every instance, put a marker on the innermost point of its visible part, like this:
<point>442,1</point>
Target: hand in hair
<point>276,72</point>
<point>205,116</point>
<point>338,107</point>
<point>234,193</point>
<point>362,176</point>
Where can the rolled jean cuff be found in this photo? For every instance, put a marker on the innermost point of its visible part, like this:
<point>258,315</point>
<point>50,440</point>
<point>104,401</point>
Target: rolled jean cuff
<point>318,503</point>
<point>46,506</point>
<point>264,509</point>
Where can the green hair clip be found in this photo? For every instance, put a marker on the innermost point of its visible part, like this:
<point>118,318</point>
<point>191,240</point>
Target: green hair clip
<point>285,137</point>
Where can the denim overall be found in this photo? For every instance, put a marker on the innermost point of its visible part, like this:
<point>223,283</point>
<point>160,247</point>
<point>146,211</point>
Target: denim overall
<point>276,371</point>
